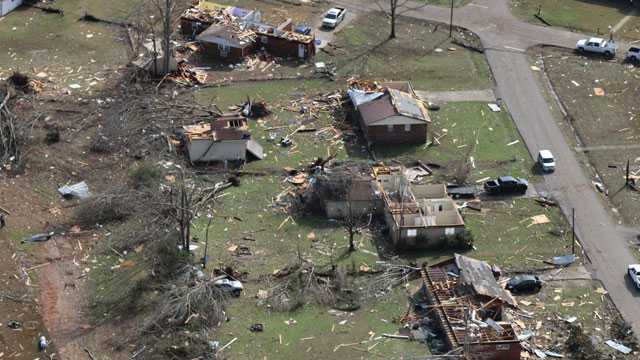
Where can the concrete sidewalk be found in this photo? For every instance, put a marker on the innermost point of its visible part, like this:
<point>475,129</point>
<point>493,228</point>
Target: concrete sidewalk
<point>457,96</point>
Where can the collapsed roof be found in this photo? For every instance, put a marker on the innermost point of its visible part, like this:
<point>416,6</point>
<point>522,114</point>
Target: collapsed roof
<point>477,276</point>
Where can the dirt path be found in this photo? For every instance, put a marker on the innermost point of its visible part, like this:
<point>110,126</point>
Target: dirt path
<point>506,39</point>
<point>51,300</point>
<point>20,343</point>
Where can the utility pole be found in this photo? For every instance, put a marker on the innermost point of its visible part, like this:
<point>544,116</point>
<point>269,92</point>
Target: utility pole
<point>451,21</point>
<point>573,231</point>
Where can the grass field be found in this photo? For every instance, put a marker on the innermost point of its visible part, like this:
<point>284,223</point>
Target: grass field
<point>586,16</point>
<point>469,130</point>
<point>68,50</point>
<point>317,333</point>
<point>363,51</point>
<point>504,235</point>
<point>606,124</point>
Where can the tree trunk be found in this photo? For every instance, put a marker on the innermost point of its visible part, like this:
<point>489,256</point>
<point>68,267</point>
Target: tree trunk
<point>167,36</point>
<point>352,245</point>
<point>393,4</point>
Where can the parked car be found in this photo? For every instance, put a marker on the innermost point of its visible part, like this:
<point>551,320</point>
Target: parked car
<point>524,283</point>
<point>598,46</point>
<point>633,54</point>
<point>634,274</point>
<point>233,287</point>
<point>303,29</point>
<point>505,185</point>
<point>546,161</point>
<point>334,17</point>
<point>462,192</point>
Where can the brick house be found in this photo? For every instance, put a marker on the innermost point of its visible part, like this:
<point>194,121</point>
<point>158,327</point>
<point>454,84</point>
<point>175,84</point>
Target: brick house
<point>394,117</point>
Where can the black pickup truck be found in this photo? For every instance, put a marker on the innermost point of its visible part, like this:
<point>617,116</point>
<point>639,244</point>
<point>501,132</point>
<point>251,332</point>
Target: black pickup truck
<point>506,185</point>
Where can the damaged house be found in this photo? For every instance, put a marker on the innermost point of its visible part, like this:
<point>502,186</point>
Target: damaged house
<point>223,42</point>
<point>391,113</point>
<point>419,216</point>
<point>342,191</point>
<point>467,303</point>
<point>230,34</point>
<point>225,139</point>
<point>197,19</point>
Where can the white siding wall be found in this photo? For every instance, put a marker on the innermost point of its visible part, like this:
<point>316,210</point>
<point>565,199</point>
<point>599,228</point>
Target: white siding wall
<point>6,6</point>
<point>220,150</point>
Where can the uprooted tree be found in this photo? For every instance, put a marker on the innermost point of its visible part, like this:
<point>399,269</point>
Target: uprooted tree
<point>580,345</point>
<point>14,132</point>
<point>395,8</point>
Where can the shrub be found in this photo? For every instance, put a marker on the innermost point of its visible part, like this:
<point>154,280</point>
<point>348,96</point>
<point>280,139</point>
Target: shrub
<point>144,175</point>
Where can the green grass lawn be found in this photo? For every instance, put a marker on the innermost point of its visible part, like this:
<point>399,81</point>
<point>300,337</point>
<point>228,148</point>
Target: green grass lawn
<point>585,16</point>
<point>317,333</point>
<point>68,50</point>
<point>503,235</point>
<point>363,51</point>
<point>472,130</point>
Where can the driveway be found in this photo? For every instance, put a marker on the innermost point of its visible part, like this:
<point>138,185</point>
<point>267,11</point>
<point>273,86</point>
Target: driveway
<point>327,36</point>
<point>506,39</point>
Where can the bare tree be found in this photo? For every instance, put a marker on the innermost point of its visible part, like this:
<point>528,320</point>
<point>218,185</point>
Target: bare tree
<point>354,219</point>
<point>395,8</point>
<point>187,201</point>
<point>165,10</point>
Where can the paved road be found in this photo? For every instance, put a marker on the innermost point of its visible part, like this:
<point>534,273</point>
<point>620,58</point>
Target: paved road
<point>505,39</point>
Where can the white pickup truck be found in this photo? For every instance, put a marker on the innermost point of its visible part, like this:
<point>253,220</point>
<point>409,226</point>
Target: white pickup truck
<point>598,46</point>
<point>334,17</point>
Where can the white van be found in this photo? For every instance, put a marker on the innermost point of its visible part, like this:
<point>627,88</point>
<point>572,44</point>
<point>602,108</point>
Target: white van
<point>546,161</point>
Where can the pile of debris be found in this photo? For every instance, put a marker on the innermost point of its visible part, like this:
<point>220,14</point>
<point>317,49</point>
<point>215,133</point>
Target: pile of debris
<point>261,62</point>
<point>312,106</point>
<point>461,300</point>
<point>186,75</point>
<point>365,85</point>
<point>208,16</point>
<point>25,84</point>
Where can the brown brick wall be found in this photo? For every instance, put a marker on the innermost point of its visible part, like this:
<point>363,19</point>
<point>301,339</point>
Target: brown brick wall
<point>235,54</point>
<point>280,47</point>
<point>381,135</point>
<point>494,351</point>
